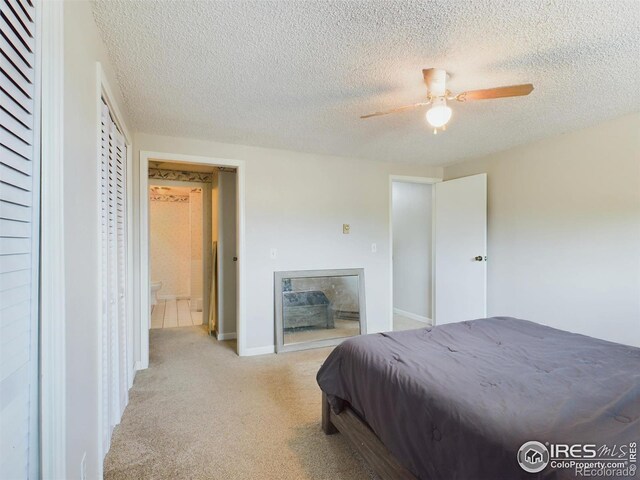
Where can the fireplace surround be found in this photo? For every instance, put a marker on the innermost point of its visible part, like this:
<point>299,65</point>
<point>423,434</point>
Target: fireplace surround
<point>318,308</point>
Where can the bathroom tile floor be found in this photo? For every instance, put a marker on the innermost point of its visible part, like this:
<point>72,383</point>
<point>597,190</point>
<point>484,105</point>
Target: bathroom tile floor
<point>174,313</point>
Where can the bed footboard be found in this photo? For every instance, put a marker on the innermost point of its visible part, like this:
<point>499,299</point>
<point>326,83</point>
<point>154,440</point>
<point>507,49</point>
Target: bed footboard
<point>327,427</point>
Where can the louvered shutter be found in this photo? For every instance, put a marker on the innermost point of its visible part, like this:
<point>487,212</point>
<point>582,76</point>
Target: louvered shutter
<point>19,241</point>
<point>114,262</point>
<point>121,235</point>
<point>112,280</point>
<point>104,220</point>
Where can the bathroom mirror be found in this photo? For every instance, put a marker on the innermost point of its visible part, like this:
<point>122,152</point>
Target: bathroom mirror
<point>318,308</point>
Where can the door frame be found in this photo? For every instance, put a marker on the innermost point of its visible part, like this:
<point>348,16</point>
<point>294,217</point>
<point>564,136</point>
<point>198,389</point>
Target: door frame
<point>53,407</point>
<point>425,181</point>
<point>143,187</point>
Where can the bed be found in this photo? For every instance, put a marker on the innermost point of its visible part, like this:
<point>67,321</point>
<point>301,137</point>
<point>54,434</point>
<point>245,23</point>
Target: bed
<point>457,401</point>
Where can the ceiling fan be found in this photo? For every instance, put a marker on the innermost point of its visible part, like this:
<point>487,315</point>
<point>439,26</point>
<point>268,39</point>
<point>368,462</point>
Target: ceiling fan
<point>437,96</point>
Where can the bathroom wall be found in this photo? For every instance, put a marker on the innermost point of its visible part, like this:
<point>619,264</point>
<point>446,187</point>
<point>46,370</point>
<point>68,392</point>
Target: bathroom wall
<point>170,242</point>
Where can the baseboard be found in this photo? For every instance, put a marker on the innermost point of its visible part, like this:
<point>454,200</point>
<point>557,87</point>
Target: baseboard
<point>226,336</point>
<point>252,351</point>
<point>412,316</point>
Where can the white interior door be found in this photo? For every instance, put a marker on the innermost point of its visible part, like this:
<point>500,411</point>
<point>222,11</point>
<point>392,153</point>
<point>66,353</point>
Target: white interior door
<point>461,249</point>
<point>19,239</point>
<point>227,254</point>
<point>114,271</point>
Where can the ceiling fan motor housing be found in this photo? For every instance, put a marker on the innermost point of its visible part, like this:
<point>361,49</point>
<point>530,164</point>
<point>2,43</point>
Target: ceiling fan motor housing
<point>436,80</point>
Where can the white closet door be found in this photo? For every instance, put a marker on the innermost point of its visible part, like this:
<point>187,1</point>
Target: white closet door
<point>104,211</point>
<point>114,275</point>
<point>19,241</point>
<point>121,259</point>
<point>112,281</point>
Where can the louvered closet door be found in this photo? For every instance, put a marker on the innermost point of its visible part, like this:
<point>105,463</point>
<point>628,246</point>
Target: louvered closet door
<point>104,211</point>
<point>19,241</point>
<point>112,281</point>
<point>114,311</point>
<point>121,259</point>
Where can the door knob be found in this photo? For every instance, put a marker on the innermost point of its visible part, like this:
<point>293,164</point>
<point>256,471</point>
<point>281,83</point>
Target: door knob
<point>479,258</point>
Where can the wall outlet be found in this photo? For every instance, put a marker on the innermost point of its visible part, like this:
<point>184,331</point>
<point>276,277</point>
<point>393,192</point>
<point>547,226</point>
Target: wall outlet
<point>374,248</point>
<point>274,253</point>
<point>83,467</point>
<point>346,228</point>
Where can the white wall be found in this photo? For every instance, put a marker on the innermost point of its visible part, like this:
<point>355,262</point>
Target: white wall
<point>227,268</point>
<point>170,246</point>
<point>411,212</point>
<point>297,203</point>
<point>564,230</point>
<point>82,48</point>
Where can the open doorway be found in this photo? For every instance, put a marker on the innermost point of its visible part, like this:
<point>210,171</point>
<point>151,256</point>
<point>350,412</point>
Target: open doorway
<point>412,253</point>
<point>192,247</point>
<point>191,232</point>
<point>177,223</point>
<point>438,237</point>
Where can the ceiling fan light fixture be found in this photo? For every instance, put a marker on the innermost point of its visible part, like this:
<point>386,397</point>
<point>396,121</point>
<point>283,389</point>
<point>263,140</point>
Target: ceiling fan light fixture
<point>439,114</point>
<point>437,95</point>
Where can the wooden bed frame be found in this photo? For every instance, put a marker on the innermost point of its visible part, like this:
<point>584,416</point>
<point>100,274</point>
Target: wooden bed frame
<point>364,441</point>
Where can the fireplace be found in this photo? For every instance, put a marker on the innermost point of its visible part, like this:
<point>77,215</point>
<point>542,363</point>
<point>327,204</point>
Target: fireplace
<point>311,309</point>
<point>316,308</point>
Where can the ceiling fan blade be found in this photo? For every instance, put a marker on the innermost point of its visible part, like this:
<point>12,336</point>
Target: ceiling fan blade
<point>499,92</point>
<point>395,110</point>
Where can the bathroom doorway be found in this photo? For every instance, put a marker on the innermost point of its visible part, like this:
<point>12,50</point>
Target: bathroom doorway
<point>191,216</point>
<point>177,221</point>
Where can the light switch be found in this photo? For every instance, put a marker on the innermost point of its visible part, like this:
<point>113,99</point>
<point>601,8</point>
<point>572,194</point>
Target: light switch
<point>274,253</point>
<point>346,228</point>
<point>374,248</point>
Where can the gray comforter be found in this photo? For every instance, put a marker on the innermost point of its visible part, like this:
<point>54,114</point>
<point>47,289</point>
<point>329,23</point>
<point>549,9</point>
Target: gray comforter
<point>457,401</point>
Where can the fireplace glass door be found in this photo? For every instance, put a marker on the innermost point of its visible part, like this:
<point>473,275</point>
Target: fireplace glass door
<point>316,308</point>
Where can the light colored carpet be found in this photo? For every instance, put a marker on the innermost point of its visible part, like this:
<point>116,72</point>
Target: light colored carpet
<point>200,411</point>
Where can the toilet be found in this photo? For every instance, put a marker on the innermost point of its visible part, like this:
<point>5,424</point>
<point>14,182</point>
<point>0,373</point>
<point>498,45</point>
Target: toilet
<point>155,286</point>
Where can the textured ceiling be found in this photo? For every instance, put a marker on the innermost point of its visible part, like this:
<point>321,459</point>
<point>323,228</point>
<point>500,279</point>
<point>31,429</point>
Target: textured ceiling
<point>296,75</point>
